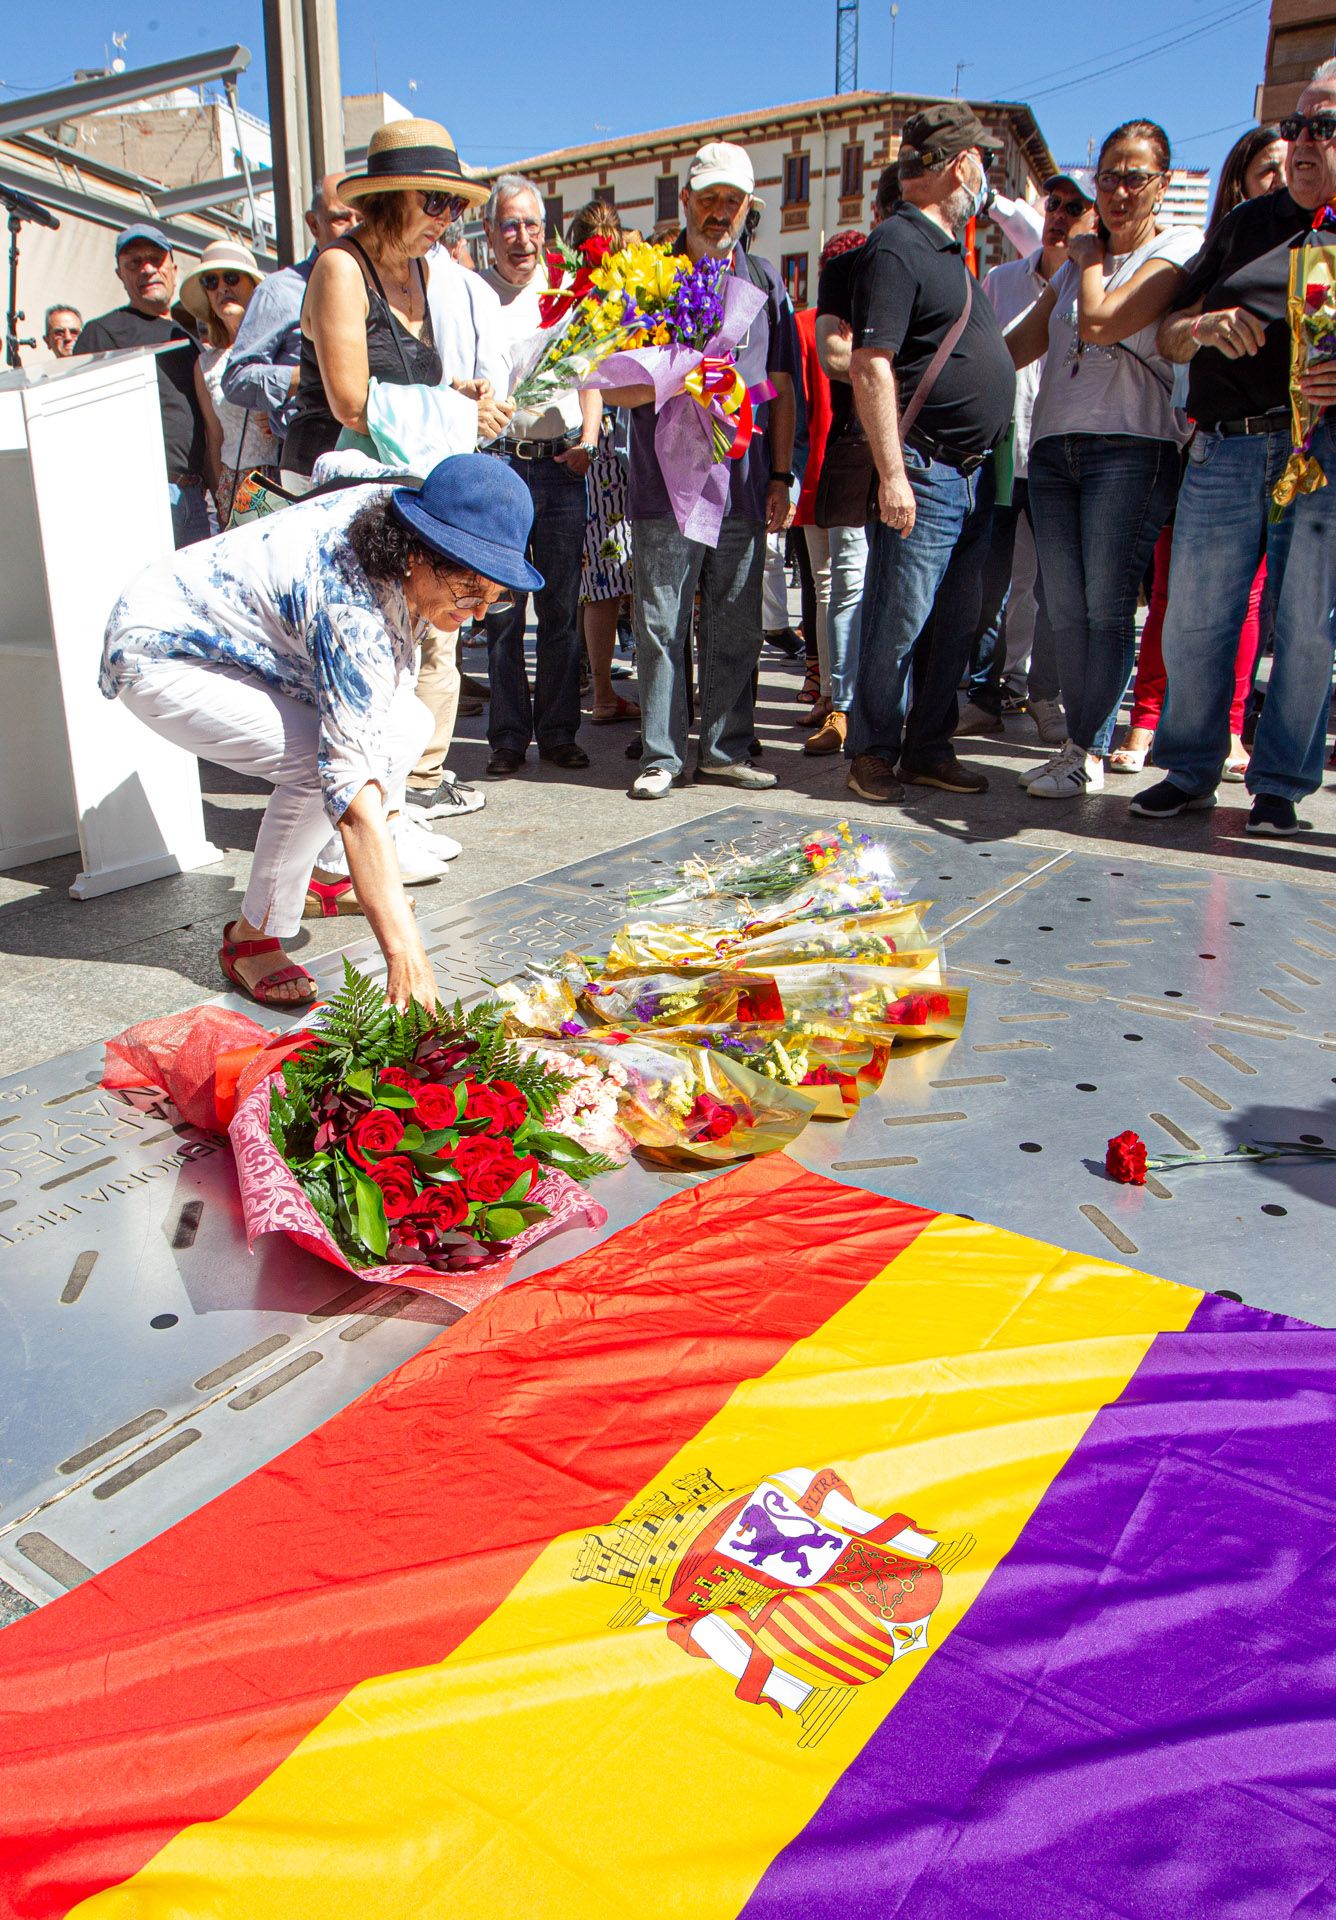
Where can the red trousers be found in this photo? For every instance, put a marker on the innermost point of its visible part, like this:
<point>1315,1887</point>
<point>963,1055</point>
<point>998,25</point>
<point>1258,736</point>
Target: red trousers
<point>1148,687</point>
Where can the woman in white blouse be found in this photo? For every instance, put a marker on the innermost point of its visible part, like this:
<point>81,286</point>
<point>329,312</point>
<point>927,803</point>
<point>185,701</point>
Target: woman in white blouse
<point>1105,441</point>
<point>217,292</point>
<point>287,649</point>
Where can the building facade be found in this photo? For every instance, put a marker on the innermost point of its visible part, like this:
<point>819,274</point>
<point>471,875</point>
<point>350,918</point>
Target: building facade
<point>816,165</point>
<point>1302,35</point>
<point>1187,198</point>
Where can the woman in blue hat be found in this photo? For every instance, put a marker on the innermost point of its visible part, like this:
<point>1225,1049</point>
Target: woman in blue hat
<point>287,649</point>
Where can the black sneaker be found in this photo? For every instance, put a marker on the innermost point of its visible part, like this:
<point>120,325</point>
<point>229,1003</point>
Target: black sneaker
<point>448,801</point>
<point>784,640</point>
<point>1165,801</point>
<point>1270,814</point>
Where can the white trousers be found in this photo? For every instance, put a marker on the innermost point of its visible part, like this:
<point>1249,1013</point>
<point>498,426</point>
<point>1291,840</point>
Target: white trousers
<point>775,616</point>
<point>222,715</point>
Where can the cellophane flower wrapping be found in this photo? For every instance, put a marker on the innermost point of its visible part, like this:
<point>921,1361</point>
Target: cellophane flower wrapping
<point>891,937</point>
<point>177,1055</point>
<point>1311,309</point>
<point>686,430</point>
<point>272,1201</point>
<point>825,874</point>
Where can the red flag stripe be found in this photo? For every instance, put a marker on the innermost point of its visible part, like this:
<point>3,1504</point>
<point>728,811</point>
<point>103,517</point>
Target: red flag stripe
<point>161,1692</point>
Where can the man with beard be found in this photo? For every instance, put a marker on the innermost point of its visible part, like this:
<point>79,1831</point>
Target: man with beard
<point>934,387</point>
<point>670,569</point>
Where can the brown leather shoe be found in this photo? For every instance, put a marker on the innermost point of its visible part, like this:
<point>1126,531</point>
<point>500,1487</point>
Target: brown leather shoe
<point>829,736</point>
<point>873,778</point>
<point>948,773</point>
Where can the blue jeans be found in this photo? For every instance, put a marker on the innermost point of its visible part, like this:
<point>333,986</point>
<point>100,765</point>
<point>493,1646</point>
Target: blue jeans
<point>1221,529</point>
<point>903,576</point>
<point>1098,502</point>
<point>848,569</point>
<point>556,546</point>
<point>668,570</point>
<point>988,671</point>
<point>190,515</point>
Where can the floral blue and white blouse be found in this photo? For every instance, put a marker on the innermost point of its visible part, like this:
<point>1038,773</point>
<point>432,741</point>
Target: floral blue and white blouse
<point>284,602</point>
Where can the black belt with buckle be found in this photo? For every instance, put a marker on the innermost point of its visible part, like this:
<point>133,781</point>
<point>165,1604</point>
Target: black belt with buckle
<point>964,463</point>
<point>1277,421</point>
<point>537,449</point>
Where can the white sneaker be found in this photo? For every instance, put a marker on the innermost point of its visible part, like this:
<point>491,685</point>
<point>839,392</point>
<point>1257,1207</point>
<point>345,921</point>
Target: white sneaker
<point>1051,721</point>
<point>422,856</point>
<point>1046,766</point>
<point>978,720</point>
<point>652,784</point>
<point>1078,773</point>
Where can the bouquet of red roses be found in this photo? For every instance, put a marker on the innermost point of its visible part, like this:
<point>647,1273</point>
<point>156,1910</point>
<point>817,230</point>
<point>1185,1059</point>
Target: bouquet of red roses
<point>417,1137</point>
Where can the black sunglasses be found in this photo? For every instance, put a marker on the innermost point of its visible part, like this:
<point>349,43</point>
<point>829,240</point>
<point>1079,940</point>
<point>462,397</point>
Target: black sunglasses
<point>1055,203</point>
<point>1322,126</point>
<point>435,204</point>
<point>212,281</point>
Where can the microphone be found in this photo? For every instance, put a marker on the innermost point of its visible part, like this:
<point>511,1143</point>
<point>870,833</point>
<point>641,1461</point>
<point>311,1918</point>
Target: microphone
<point>25,209</point>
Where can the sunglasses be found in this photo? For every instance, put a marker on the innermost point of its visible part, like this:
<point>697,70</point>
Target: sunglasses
<point>435,204</point>
<point>212,281</point>
<point>64,333</point>
<point>1058,203</point>
<point>1134,179</point>
<point>1321,126</point>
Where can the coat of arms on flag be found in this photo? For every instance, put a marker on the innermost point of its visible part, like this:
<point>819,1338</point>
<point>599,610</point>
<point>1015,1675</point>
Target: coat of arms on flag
<point>797,1593</point>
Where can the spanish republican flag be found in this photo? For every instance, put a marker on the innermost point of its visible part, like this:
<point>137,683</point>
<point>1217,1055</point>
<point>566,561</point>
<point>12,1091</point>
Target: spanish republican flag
<point>796,1553</point>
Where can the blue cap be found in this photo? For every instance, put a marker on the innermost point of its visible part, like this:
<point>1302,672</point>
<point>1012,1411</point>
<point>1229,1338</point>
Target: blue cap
<point>153,234</point>
<point>474,509</point>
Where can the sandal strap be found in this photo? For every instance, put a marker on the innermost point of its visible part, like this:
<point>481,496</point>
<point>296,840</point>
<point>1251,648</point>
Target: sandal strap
<point>247,949</point>
<point>281,978</point>
<point>327,894</point>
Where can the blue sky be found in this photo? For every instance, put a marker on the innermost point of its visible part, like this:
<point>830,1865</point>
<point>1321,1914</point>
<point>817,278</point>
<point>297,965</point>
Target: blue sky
<point>539,75</point>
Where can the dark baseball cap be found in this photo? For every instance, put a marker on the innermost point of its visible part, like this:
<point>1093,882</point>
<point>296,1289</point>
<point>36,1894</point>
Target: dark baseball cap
<point>942,131</point>
<point>154,235</point>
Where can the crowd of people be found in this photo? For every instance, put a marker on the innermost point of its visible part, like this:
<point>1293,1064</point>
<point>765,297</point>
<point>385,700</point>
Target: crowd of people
<point>977,481</point>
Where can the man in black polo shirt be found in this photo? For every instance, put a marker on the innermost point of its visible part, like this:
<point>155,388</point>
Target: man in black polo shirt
<point>1230,325</point>
<point>910,291</point>
<point>146,268</point>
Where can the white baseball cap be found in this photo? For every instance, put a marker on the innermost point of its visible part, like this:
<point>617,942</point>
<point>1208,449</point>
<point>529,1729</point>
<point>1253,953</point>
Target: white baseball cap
<point>720,164</point>
<point>1082,178</point>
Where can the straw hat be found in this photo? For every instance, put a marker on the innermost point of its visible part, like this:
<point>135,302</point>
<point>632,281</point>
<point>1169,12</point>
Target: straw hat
<point>412,153</point>
<point>220,256</point>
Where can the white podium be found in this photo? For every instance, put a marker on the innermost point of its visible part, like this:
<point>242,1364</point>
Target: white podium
<point>83,506</point>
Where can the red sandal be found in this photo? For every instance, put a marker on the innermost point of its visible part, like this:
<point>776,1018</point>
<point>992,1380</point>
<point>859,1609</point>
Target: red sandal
<point>327,898</point>
<point>262,992</point>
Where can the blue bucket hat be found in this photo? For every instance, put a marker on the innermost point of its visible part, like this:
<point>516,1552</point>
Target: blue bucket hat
<point>472,508</point>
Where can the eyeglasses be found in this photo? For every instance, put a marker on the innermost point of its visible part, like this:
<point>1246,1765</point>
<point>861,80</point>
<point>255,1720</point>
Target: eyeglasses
<point>511,229</point>
<point>212,281</point>
<point>63,333</point>
<point>1133,178</point>
<point>474,595</point>
<point>435,204</point>
<point>1055,203</point>
<point>1322,126</point>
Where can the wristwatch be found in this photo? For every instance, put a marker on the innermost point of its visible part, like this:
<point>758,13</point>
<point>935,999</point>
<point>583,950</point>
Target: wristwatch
<point>587,447</point>
<point>786,479</point>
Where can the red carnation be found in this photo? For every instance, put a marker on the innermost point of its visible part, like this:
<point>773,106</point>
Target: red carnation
<point>434,1106</point>
<point>376,1134</point>
<point>398,1184</point>
<point>710,1118</point>
<point>1314,295</point>
<point>489,1167</point>
<point>1125,1159</point>
<point>762,1001</point>
<point>499,1102</point>
<point>917,1009</point>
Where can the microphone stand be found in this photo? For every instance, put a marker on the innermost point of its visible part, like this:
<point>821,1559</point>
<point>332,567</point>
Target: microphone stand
<point>13,316</point>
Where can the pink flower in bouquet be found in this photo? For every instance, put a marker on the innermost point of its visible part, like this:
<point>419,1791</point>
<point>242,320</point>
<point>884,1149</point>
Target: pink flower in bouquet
<point>489,1167</point>
<point>398,1184</point>
<point>710,1118</point>
<point>500,1103</point>
<point>435,1106</point>
<point>374,1136</point>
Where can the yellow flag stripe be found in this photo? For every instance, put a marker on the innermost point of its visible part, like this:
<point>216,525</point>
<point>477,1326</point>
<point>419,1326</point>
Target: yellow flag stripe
<point>553,1766</point>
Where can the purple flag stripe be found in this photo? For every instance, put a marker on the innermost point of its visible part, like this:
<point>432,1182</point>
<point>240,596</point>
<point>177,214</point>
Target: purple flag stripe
<point>1137,1717</point>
